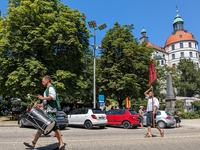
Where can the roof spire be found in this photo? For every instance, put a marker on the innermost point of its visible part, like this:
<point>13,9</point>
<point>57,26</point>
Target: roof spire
<point>177,9</point>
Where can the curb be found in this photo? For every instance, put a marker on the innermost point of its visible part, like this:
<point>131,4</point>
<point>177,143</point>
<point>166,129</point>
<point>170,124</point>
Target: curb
<point>9,125</point>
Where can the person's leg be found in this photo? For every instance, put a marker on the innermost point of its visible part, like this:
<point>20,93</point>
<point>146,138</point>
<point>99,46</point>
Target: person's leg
<point>37,136</point>
<point>149,131</point>
<point>141,124</point>
<point>161,131</point>
<point>58,135</point>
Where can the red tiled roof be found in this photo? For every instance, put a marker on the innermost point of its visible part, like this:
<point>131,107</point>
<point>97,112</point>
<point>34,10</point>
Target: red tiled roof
<point>156,47</point>
<point>173,38</point>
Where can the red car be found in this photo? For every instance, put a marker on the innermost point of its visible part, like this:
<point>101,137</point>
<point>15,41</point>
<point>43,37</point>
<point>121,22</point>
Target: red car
<point>125,117</point>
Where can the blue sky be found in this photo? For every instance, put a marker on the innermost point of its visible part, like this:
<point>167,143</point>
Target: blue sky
<point>156,16</point>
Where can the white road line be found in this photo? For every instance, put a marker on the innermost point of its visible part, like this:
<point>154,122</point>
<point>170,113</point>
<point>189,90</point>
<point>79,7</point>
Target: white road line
<point>170,137</point>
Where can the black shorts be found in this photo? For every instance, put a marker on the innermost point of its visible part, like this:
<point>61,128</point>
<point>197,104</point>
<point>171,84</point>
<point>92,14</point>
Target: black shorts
<point>177,119</point>
<point>17,112</point>
<point>13,113</point>
<point>149,119</point>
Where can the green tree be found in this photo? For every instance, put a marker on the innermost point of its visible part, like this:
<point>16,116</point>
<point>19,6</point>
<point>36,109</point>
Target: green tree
<point>189,80</point>
<point>41,37</point>
<point>123,67</point>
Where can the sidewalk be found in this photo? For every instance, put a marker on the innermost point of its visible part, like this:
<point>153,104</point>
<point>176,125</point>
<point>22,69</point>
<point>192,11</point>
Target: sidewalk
<point>190,123</point>
<point>6,122</point>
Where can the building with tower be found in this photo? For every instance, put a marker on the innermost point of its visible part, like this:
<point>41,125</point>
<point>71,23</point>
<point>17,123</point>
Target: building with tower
<point>180,44</point>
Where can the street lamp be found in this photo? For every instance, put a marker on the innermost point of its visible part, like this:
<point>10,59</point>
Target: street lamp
<point>93,24</point>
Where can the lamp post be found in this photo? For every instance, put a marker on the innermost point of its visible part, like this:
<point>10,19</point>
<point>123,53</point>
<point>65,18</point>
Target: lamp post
<point>93,24</point>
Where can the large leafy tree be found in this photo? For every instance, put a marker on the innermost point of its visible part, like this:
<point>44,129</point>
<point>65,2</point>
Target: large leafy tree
<point>189,80</point>
<point>123,68</point>
<point>39,37</point>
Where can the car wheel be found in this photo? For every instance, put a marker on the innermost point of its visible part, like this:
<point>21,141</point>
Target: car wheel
<point>126,124</point>
<point>62,127</point>
<point>88,124</point>
<point>162,124</point>
<point>101,127</point>
<point>21,123</point>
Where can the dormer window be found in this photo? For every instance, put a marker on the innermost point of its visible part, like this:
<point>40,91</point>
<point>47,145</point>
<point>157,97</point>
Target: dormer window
<point>180,35</point>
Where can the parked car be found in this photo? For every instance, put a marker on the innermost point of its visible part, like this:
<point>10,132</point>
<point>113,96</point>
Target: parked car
<point>60,116</point>
<point>163,119</point>
<point>125,117</point>
<point>87,117</point>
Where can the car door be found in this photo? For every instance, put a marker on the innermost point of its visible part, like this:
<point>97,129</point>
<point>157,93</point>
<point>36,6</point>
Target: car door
<point>110,115</point>
<point>72,117</point>
<point>81,116</point>
<point>119,116</point>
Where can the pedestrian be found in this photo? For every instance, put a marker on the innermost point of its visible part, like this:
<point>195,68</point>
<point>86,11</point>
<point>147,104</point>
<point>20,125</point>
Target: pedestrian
<point>64,109</point>
<point>6,112</point>
<point>13,113</point>
<point>50,95</point>
<point>141,113</point>
<point>28,109</point>
<point>133,108</point>
<point>17,111</point>
<point>112,107</point>
<point>152,107</point>
<point>176,113</point>
<point>67,109</point>
<point>115,107</point>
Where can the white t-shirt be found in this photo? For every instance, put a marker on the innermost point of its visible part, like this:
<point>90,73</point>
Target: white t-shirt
<point>17,108</point>
<point>13,109</point>
<point>52,93</point>
<point>149,104</point>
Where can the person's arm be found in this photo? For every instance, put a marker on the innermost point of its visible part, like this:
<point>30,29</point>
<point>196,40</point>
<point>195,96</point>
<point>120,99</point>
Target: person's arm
<point>45,98</point>
<point>146,92</point>
<point>154,111</point>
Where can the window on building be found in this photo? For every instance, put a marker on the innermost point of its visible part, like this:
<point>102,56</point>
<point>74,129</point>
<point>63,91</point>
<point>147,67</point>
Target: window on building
<point>182,54</point>
<point>162,62</point>
<point>174,65</point>
<point>195,45</point>
<point>172,47</point>
<point>180,35</point>
<point>190,45</point>
<point>164,55</point>
<point>196,55</point>
<point>181,45</point>
<point>173,56</point>
<point>190,54</point>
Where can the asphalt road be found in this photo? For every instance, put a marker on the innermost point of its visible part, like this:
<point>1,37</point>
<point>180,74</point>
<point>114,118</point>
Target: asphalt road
<point>110,138</point>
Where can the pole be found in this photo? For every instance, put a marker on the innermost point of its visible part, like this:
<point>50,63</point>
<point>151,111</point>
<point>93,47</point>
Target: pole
<point>94,96</point>
<point>153,109</point>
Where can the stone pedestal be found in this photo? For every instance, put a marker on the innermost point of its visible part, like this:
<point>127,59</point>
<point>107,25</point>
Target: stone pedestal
<point>170,100</point>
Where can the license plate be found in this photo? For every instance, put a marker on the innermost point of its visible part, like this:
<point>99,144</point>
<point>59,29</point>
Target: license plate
<point>59,117</point>
<point>101,117</point>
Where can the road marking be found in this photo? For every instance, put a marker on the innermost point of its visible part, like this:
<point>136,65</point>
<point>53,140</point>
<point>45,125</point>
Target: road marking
<point>170,137</point>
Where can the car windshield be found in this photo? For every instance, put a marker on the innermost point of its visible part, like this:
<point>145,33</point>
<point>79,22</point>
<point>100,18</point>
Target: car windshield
<point>97,111</point>
<point>168,113</point>
<point>132,112</point>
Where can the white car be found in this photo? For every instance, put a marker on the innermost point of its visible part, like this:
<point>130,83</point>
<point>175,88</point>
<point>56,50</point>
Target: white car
<point>163,119</point>
<point>87,117</point>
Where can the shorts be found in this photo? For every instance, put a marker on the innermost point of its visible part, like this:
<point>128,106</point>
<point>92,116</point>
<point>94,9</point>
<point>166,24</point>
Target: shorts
<point>149,119</point>
<point>13,113</point>
<point>141,120</point>
<point>17,112</point>
<point>53,115</point>
<point>177,119</point>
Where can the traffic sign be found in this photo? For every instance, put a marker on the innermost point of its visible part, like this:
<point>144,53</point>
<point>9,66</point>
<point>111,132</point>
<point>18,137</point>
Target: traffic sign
<point>101,104</point>
<point>101,98</point>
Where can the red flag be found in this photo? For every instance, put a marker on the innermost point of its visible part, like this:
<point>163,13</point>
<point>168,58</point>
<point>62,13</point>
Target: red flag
<point>152,73</point>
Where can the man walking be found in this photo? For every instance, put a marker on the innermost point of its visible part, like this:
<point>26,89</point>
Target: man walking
<point>52,100</point>
<point>152,107</point>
